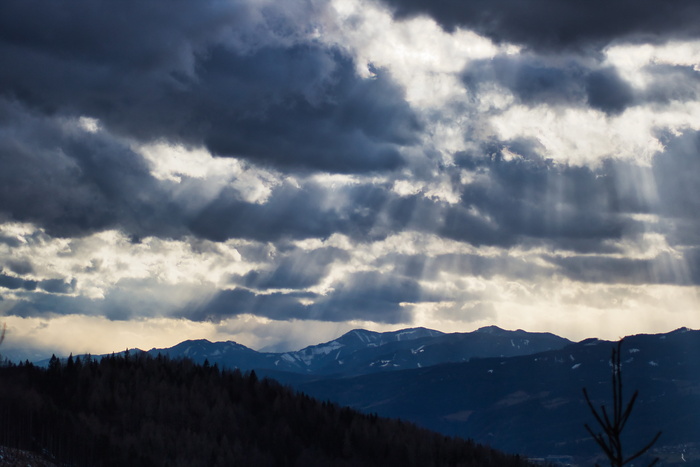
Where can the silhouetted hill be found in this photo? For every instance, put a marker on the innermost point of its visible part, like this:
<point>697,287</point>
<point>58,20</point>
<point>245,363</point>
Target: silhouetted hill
<point>137,410</point>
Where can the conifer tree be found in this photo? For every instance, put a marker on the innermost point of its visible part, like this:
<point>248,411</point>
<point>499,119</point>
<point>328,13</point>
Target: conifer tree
<point>2,336</point>
<point>613,424</point>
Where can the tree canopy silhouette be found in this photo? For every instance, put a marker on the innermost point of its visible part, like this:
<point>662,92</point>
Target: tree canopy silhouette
<point>613,424</point>
<point>145,411</point>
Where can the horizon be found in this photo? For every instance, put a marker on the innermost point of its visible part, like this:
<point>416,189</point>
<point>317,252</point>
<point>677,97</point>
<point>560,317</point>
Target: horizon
<point>430,329</point>
<point>278,174</point>
<point>38,359</point>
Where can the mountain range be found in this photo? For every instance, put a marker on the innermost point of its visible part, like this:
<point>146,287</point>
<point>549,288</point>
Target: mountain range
<point>517,391</point>
<point>533,404</point>
<point>361,352</point>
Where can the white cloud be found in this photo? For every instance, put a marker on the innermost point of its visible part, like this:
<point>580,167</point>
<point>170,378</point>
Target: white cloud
<point>158,277</point>
<point>91,125</point>
<point>422,57</point>
<point>100,261</point>
<point>631,59</point>
<point>210,174</point>
<point>580,136</point>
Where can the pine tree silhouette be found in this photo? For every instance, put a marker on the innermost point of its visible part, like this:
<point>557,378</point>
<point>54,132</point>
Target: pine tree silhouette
<point>610,441</point>
<point>2,336</point>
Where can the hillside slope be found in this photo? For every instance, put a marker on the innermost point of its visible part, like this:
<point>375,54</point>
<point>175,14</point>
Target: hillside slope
<point>534,405</point>
<point>140,411</point>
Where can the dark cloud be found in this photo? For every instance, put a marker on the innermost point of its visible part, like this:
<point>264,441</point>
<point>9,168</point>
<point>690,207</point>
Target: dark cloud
<point>365,295</point>
<point>608,92</point>
<point>264,110</point>
<point>248,81</point>
<point>432,268</point>
<point>672,83</point>
<point>692,260</point>
<point>184,72</point>
<point>509,203</point>
<point>568,82</point>
<point>282,101</point>
<point>20,267</point>
<point>14,283</point>
<point>676,172</point>
<point>9,241</point>
<point>676,188</point>
<point>667,188</point>
<point>73,182</point>
<point>299,270</point>
<point>560,25</point>
<point>32,304</point>
<point>230,303</point>
<point>297,212</point>
<point>193,73</point>
<point>525,200</point>
<point>531,79</point>
<point>369,296</point>
<point>663,269</point>
<point>529,199</point>
<point>288,213</point>
<point>58,286</point>
<point>126,299</point>
<point>536,81</point>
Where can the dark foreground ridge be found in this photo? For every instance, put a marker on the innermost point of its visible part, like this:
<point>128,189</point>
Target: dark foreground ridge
<point>138,410</point>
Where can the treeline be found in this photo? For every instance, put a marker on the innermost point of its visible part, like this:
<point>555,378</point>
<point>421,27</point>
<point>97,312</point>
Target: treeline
<point>145,411</point>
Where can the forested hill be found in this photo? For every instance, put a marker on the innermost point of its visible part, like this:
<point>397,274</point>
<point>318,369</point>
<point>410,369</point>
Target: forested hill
<point>145,411</point>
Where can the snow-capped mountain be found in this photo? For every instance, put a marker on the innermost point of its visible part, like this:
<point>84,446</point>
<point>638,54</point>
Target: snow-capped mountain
<point>334,356</point>
<point>515,390</point>
<point>533,404</point>
<point>361,351</point>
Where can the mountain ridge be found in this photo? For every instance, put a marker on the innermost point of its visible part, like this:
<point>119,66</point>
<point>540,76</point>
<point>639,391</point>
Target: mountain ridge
<point>533,404</point>
<point>361,351</point>
<point>515,390</point>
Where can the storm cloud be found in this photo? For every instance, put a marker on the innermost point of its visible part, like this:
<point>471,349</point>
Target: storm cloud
<point>239,166</point>
<point>240,82</point>
<point>72,181</point>
<point>550,26</point>
<point>569,82</point>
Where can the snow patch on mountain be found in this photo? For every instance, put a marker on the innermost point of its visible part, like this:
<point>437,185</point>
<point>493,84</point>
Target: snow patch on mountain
<point>288,358</point>
<point>404,334</point>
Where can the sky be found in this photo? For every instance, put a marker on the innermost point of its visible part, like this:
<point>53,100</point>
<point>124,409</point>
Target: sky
<point>279,173</point>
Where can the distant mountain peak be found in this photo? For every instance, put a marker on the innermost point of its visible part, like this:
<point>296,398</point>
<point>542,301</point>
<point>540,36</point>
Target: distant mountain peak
<point>491,330</point>
<point>361,351</point>
<point>194,343</point>
<point>379,338</point>
<point>416,331</point>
